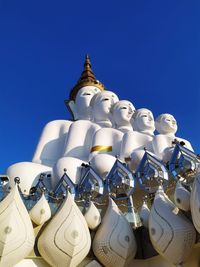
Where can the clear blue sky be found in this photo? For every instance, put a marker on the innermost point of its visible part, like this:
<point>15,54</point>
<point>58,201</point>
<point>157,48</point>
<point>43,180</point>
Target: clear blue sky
<point>145,51</point>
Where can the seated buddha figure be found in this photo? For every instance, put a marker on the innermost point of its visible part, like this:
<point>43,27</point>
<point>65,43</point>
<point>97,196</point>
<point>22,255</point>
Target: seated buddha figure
<point>54,135</point>
<point>166,126</point>
<point>81,133</point>
<point>134,142</point>
<point>106,143</point>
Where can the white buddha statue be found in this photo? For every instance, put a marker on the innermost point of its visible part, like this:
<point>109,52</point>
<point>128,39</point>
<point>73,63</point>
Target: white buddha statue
<point>107,141</point>
<point>134,142</point>
<point>166,126</point>
<point>79,143</point>
<point>122,112</point>
<point>54,135</point>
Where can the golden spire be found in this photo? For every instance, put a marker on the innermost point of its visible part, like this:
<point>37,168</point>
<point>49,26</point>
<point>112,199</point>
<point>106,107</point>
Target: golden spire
<point>87,79</point>
<point>87,72</point>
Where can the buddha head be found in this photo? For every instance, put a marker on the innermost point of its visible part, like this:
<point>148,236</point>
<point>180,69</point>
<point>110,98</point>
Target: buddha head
<point>166,124</point>
<point>81,105</point>
<point>82,93</point>
<point>101,105</point>
<point>122,113</point>
<point>143,121</point>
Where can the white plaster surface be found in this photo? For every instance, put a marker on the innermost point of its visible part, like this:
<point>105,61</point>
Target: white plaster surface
<point>66,239</point>
<point>114,243</point>
<point>171,233</point>
<point>16,230</point>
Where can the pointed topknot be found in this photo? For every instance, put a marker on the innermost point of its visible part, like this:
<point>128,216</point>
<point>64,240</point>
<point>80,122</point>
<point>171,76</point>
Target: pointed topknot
<point>87,73</point>
<point>87,79</point>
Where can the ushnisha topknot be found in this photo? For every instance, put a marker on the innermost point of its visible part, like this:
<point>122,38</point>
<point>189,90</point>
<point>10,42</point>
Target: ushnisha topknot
<point>87,79</point>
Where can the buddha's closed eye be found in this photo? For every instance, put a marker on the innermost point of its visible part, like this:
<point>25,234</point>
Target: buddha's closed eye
<point>123,108</point>
<point>105,99</point>
<point>87,94</point>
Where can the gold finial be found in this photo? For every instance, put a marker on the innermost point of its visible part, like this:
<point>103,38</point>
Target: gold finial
<point>87,78</point>
<point>87,72</point>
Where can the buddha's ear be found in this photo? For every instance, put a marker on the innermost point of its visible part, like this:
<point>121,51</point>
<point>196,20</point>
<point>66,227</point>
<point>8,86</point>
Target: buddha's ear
<point>70,104</point>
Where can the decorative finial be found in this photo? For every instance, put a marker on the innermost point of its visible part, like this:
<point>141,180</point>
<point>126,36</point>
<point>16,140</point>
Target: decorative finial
<point>87,79</point>
<point>87,60</point>
<point>17,180</point>
<point>87,73</point>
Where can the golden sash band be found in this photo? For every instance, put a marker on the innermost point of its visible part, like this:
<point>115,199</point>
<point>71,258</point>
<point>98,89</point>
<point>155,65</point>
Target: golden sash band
<point>101,148</point>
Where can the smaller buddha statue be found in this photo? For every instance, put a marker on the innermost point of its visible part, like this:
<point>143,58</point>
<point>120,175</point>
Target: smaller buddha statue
<point>122,112</point>
<point>134,142</point>
<point>107,141</point>
<point>163,147</point>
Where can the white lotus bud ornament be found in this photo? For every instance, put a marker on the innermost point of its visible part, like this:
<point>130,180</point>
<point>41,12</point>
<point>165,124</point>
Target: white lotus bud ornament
<point>171,233</point>
<point>182,197</point>
<point>144,214</point>
<point>195,202</point>
<point>92,216</point>
<point>66,239</point>
<point>41,212</point>
<point>114,243</point>
<point>16,230</point>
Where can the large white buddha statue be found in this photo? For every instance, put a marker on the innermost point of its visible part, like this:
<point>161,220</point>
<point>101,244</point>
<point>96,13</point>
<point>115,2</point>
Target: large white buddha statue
<point>107,141</point>
<point>54,135</point>
<point>166,126</point>
<point>134,142</point>
<point>79,143</point>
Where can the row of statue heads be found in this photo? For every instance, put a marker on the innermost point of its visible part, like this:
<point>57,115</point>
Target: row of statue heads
<point>90,100</point>
<point>103,128</point>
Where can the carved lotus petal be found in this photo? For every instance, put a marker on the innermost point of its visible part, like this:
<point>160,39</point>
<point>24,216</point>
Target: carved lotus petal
<point>66,239</point>
<point>195,203</point>
<point>41,212</point>
<point>92,216</point>
<point>171,233</point>
<point>182,197</point>
<point>114,243</point>
<point>16,230</point>
<point>144,215</point>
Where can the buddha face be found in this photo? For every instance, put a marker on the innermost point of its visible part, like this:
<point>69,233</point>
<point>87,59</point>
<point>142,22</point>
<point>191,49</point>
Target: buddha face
<point>102,103</point>
<point>166,124</point>
<point>80,108</point>
<point>84,97</point>
<point>122,112</point>
<point>143,120</point>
